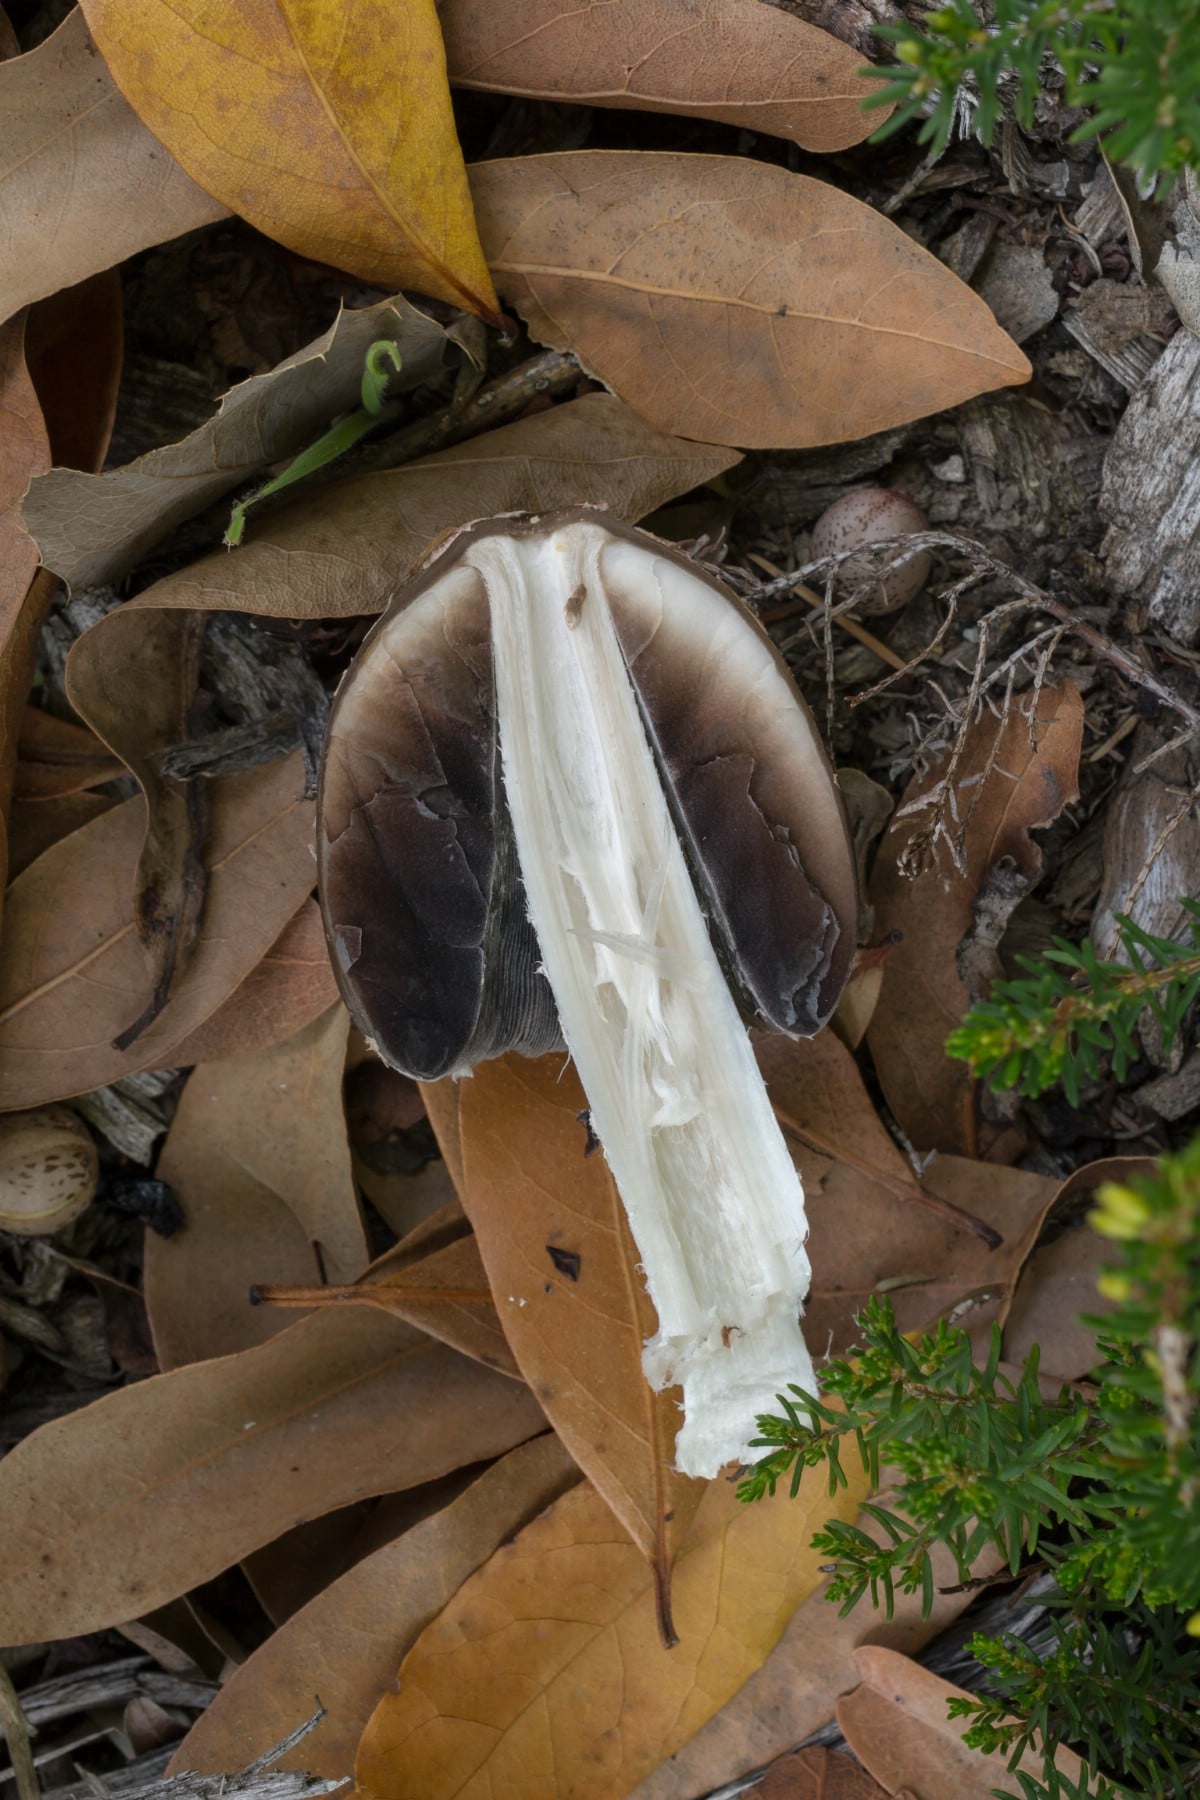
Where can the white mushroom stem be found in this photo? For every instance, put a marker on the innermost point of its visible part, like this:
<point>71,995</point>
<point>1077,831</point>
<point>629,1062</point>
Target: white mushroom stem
<point>714,1202</point>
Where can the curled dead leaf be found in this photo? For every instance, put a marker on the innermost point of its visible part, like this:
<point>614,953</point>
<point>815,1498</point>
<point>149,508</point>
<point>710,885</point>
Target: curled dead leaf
<point>341,552</point>
<point>92,528</point>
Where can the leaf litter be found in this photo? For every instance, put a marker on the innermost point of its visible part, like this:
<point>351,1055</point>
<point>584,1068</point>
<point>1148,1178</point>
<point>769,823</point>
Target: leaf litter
<point>407,1531</point>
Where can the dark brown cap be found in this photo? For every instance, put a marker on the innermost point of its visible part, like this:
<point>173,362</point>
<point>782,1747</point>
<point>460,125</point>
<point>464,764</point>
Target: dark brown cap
<point>420,888</point>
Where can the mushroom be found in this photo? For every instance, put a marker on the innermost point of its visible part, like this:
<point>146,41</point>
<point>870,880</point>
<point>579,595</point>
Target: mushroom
<point>571,793</point>
<point>872,515</point>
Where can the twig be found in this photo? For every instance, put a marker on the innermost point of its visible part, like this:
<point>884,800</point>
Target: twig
<point>792,584</point>
<point>984,564</point>
<point>262,1763</point>
<point>553,372</point>
<point>384,1293</point>
<point>16,1732</point>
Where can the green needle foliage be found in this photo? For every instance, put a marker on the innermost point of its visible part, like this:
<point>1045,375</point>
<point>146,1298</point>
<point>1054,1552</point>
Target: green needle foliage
<point>1074,1010</point>
<point>1098,1485</point>
<point>1134,63</point>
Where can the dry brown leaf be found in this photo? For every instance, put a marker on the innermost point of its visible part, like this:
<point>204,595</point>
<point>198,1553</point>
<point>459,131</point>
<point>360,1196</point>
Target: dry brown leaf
<point>346,1644</point>
<point>220,1457</point>
<point>58,757</point>
<point>732,301</point>
<point>342,552</point>
<point>896,1724</point>
<point>868,1230</point>
<point>288,1573</point>
<point>435,1279</point>
<point>818,1775</point>
<point>73,974</point>
<point>280,1122</point>
<point>74,152</point>
<point>326,125</point>
<point>564,1272</point>
<point>175,1638</point>
<point>795,1691</point>
<point>34,826</point>
<point>257,1158</point>
<point>732,60</point>
<point>291,986</point>
<point>1057,1285</point>
<point>563,1680</point>
<point>1003,788</point>
<point>92,528</point>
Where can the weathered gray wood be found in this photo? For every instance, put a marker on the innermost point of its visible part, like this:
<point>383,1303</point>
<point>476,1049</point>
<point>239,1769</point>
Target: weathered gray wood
<point>1150,495</point>
<point>143,1780</point>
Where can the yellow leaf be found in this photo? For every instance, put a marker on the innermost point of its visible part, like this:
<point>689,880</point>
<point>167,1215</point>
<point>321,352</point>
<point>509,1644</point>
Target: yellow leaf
<point>325,123</point>
<point>545,1675</point>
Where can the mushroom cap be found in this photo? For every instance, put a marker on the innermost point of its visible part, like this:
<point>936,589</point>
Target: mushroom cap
<point>420,889</point>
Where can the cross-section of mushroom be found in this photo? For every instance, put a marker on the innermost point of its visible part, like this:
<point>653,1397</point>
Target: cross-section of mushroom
<point>570,787</point>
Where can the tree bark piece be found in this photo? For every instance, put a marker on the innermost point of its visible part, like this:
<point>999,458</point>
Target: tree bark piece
<point>1151,493</point>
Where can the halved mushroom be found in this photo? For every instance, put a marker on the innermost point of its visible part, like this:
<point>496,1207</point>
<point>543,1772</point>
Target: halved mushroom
<point>570,787</point>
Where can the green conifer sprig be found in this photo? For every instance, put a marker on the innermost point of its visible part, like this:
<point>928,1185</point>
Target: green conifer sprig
<point>1099,1485</point>
<point>1134,63</point>
<point>1074,1010</point>
<point>983,1462</point>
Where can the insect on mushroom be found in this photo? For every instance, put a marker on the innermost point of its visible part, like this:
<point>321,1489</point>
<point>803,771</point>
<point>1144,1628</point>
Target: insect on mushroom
<point>570,794</point>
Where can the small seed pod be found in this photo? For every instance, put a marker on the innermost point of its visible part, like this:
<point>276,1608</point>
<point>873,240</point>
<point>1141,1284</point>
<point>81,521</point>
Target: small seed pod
<point>48,1170</point>
<point>871,515</point>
